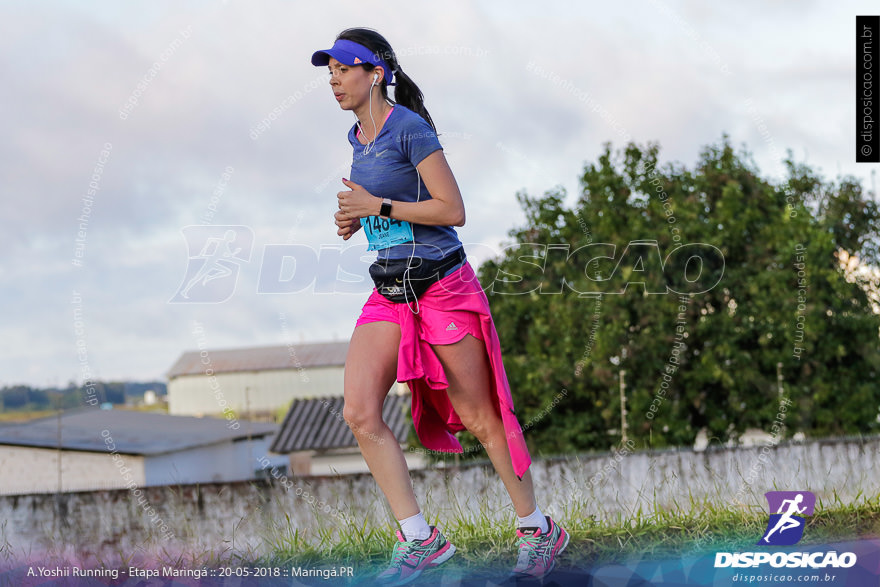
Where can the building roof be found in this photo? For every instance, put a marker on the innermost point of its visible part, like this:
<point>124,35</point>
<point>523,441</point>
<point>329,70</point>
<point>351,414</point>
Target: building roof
<point>261,358</point>
<point>136,433</point>
<point>317,424</point>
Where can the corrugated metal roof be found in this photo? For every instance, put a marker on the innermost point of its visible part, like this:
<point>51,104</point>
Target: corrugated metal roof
<point>261,358</point>
<point>317,424</point>
<point>136,433</point>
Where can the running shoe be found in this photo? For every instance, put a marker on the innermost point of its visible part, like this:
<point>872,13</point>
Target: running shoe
<point>412,557</point>
<point>538,551</point>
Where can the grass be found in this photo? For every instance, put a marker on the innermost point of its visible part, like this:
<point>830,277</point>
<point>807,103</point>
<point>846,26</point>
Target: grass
<point>485,544</point>
<point>11,417</point>
<point>15,416</point>
<point>280,531</point>
<point>5,546</point>
<point>699,528</point>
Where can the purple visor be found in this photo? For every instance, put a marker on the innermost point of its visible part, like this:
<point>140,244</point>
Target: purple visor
<point>351,53</point>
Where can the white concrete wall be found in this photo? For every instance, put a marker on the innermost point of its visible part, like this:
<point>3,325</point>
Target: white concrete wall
<point>198,395</point>
<point>353,462</point>
<point>35,470</point>
<point>254,516</point>
<point>25,470</point>
<point>226,461</point>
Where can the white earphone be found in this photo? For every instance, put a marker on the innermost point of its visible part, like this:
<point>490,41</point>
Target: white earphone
<point>370,144</point>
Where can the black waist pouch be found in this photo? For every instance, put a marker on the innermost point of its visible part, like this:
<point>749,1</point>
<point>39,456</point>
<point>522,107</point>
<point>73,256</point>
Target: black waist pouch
<point>405,280</point>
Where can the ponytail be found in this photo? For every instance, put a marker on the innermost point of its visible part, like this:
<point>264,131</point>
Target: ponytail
<point>406,92</point>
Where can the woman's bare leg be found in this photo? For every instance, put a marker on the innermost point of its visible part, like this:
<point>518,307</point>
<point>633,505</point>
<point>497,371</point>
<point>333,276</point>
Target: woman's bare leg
<point>370,371</point>
<point>466,364</point>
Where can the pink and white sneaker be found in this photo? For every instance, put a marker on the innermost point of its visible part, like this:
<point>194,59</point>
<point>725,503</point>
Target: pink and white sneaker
<point>538,551</point>
<point>412,557</point>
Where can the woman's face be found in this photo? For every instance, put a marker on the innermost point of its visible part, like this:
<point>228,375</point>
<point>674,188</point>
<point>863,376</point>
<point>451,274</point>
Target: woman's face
<point>350,84</point>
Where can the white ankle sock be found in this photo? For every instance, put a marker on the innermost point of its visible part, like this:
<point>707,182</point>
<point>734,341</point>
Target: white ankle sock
<point>534,520</point>
<point>415,527</point>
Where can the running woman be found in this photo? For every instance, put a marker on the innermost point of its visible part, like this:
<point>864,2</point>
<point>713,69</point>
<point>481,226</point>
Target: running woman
<point>441,341</point>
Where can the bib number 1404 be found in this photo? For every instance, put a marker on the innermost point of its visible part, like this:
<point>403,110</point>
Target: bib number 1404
<point>386,232</point>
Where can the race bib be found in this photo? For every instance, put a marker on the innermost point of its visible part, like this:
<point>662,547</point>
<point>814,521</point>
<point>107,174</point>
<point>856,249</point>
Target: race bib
<point>386,232</point>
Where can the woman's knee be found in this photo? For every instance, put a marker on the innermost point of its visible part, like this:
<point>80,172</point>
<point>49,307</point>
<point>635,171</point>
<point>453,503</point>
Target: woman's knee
<point>362,417</point>
<point>484,425</point>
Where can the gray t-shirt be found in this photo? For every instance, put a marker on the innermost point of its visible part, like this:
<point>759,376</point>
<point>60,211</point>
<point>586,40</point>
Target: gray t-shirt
<point>389,171</point>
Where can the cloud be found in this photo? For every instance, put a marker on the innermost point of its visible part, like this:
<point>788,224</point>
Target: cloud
<point>206,75</point>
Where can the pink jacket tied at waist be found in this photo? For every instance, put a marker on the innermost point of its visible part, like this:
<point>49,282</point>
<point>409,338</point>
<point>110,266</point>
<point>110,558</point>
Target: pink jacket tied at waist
<point>433,416</point>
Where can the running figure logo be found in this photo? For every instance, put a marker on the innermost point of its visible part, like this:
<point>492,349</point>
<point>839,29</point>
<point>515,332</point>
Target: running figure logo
<point>786,525</point>
<point>215,256</point>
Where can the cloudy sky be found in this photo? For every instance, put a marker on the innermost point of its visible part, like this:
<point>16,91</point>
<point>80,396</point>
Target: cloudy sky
<point>125,123</point>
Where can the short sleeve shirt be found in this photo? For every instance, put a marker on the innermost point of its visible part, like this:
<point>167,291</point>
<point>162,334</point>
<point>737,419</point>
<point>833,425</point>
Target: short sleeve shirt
<point>388,170</point>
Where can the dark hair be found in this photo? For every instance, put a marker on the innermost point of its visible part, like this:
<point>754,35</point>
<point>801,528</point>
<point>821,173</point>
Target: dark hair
<point>406,92</point>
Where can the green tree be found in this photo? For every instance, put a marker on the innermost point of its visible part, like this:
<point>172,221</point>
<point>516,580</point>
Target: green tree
<point>773,293</point>
<point>15,397</point>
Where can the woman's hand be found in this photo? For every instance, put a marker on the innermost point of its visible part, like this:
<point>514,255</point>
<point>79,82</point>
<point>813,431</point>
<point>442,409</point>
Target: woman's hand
<point>347,226</point>
<point>357,202</point>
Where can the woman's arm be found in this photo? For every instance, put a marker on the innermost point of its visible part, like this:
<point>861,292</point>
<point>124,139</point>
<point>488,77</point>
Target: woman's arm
<point>445,208</point>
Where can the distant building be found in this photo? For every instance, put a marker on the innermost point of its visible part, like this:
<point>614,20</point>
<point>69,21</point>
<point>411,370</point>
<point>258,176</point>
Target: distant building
<point>255,381</point>
<point>261,381</point>
<point>319,441</point>
<point>110,449</point>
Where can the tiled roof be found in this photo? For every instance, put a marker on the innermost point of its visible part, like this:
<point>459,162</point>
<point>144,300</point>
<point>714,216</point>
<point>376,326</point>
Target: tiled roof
<point>317,424</point>
<point>130,432</point>
<point>260,358</point>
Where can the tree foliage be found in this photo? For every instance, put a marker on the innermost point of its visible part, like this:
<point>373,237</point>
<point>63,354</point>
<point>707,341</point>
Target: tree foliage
<point>783,313</point>
<point>24,398</point>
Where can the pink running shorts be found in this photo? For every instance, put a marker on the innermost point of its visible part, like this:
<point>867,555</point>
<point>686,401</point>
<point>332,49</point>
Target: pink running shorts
<point>436,326</point>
